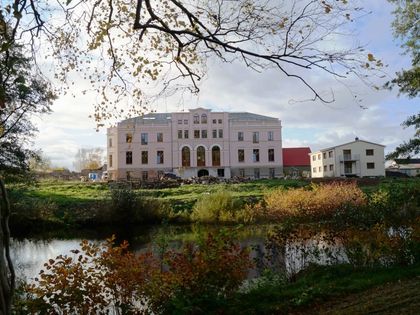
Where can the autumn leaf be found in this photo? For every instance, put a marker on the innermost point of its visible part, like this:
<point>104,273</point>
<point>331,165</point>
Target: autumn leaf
<point>371,58</point>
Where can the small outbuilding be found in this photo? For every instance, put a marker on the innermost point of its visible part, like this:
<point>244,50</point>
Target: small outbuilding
<point>296,162</point>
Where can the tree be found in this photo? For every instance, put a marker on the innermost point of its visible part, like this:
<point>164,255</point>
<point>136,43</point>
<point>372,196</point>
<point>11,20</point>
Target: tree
<point>88,158</point>
<point>23,94</point>
<point>407,28</point>
<point>135,51</point>
<point>40,163</point>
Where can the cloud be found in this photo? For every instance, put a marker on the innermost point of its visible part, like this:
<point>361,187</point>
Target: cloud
<point>233,87</point>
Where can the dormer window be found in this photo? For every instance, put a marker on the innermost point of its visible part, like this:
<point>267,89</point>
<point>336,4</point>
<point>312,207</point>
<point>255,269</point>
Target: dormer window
<point>204,119</point>
<point>196,119</point>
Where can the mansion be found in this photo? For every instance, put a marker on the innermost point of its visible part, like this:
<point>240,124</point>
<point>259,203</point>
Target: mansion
<point>195,143</point>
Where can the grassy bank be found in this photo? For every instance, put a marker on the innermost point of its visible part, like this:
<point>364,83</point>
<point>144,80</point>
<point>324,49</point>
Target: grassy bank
<point>52,204</point>
<point>340,289</point>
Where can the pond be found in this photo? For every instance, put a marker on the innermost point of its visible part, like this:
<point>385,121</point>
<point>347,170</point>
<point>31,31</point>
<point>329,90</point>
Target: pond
<point>30,253</point>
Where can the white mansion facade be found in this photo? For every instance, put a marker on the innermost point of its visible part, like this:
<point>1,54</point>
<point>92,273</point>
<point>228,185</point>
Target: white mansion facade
<point>195,143</point>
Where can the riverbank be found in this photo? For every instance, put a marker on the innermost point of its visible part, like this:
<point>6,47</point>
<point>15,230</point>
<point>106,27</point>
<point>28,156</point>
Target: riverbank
<point>60,205</point>
<point>341,289</point>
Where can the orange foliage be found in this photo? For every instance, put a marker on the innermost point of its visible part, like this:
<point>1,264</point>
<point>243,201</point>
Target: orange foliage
<point>105,277</point>
<point>320,201</point>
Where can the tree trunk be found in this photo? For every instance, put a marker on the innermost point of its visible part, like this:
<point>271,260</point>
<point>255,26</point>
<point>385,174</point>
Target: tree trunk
<point>7,272</point>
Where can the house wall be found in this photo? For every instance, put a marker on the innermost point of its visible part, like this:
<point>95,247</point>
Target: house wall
<point>226,138</point>
<point>321,161</point>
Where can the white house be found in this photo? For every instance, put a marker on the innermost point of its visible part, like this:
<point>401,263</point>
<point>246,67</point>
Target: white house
<point>410,167</point>
<point>196,143</point>
<point>358,158</point>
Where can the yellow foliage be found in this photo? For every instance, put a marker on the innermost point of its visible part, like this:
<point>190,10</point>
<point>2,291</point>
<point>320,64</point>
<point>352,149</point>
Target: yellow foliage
<point>317,201</point>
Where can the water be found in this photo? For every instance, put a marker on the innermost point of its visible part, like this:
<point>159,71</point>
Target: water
<point>30,253</point>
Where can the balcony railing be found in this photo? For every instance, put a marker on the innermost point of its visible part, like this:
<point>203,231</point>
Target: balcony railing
<point>349,157</point>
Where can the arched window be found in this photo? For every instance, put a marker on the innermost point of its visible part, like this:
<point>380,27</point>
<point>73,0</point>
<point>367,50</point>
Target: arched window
<point>201,156</point>
<point>215,156</point>
<point>196,119</point>
<point>204,119</point>
<point>186,156</point>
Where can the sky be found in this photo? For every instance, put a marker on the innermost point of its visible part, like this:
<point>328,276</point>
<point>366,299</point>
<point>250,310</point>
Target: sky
<point>233,87</point>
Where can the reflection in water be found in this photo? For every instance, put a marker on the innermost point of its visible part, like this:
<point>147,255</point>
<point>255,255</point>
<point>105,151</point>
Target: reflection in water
<point>29,255</point>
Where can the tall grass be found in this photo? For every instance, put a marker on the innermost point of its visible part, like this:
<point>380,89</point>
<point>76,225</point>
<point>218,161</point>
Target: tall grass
<point>316,202</point>
<point>219,206</point>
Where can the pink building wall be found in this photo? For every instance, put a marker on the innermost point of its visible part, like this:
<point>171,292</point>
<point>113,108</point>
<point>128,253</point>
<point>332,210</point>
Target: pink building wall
<point>170,125</point>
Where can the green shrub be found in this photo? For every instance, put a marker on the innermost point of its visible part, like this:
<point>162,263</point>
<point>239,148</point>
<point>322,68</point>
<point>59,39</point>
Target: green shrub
<point>219,206</point>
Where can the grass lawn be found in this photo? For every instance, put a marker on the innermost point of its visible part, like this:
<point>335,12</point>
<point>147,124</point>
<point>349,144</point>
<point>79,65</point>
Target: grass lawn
<point>340,289</point>
<point>66,194</point>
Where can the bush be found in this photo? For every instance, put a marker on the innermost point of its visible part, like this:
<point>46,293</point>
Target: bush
<point>316,203</point>
<point>102,277</point>
<point>219,206</point>
<point>126,207</point>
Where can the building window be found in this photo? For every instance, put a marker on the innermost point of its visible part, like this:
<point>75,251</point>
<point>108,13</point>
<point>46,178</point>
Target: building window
<point>272,172</point>
<point>241,172</point>
<point>186,135</point>
<point>159,137</point>
<point>204,134</point>
<point>319,169</point>
<point>319,156</point>
<point>110,160</point>
<point>271,136</point>
<point>256,137</point>
<point>256,155</point>
<point>110,142</point>
<point>144,157</point>
<point>144,138</point>
<point>370,165</point>
<point>220,121</point>
<point>201,156</point>
<point>159,157</point>
<point>185,121</point>
<point>256,173</point>
<point>313,157</point>
<point>330,154</point>
<point>331,167</point>
<point>270,155</point>
<point>128,157</point>
<point>215,156</point>
<point>214,121</point>
<point>128,175</point>
<point>128,137</point>
<point>186,156</point>
<point>220,172</point>
<point>214,133</point>
<point>325,168</point>
<point>220,133</point>
<point>144,175</point>
<point>240,136</point>
<point>347,155</point>
<point>179,134</point>
<point>369,151</point>
<point>324,155</point>
<point>204,119</point>
<point>196,119</point>
<point>314,170</point>
<point>196,134</point>
<point>241,155</point>
<point>179,121</point>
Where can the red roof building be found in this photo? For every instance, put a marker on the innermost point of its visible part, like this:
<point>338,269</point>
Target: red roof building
<point>296,156</point>
<point>296,161</point>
